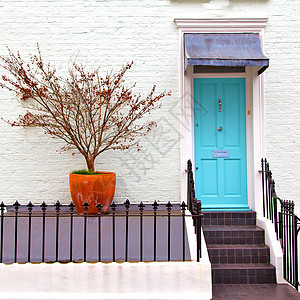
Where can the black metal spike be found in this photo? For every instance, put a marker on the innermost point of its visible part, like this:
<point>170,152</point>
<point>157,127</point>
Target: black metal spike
<point>284,205</point>
<point>99,208</point>
<point>183,206</point>
<point>16,206</point>
<point>113,206</point>
<point>85,207</point>
<point>189,165</point>
<point>287,206</point>
<point>169,207</point>
<point>155,206</point>
<point>57,206</point>
<point>43,206</point>
<point>30,207</point>
<point>141,207</point>
<point>2,207</point>
<point>198,206</point>
<point>292,206</point>
<point>127,205</point>
<point>72,207</point>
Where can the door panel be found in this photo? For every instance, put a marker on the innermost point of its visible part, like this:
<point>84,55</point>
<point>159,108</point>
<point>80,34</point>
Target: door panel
<point>208,138</point>
<point>232,124</point>
<point>232,169</point>
<point>209,170</point>
<point>220,143</point>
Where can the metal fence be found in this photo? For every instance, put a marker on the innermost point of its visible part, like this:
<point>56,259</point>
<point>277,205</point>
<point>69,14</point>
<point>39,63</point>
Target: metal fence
<point>286,224</point>
<point>129,232</point>
<point>194,206</point>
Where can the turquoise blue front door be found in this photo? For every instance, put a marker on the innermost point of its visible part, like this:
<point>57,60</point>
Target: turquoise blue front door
<point>220,143</point>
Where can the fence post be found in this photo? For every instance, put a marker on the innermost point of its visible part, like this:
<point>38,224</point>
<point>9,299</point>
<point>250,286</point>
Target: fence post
<point>43,208</point>
<point>71,207</point>
<point>99,209</point>
<point>169,208</point>
<point>198,226</point>
<point>57,206</point>
<point>113,208</point>
<point>267,179</point>
<point>30,208</point>
<point>16,209</point>
<point>85,208</point>
<point>2,208</point>
<point>189,179</point>
<point>275,211</point>
<point>141,209</point>
<point>127,205</point>
<point>263,185</point>
<point>296,233</point>
<point>155,207</point>
<point>183,207</point>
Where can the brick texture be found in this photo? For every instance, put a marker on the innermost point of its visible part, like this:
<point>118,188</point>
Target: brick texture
<point>111,33</point>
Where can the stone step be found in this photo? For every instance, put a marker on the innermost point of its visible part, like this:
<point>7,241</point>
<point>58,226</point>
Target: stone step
<point>235,254</point>
<point>243,273</point>
<point>250,234</point>
<point>229,218</point>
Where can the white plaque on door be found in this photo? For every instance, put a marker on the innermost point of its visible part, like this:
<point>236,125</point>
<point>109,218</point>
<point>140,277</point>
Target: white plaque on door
<point>220,153</point>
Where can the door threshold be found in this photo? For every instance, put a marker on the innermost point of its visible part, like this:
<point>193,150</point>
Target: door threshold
<point>226,209</point>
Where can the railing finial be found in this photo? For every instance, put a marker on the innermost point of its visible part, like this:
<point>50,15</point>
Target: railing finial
<point>189,165</point>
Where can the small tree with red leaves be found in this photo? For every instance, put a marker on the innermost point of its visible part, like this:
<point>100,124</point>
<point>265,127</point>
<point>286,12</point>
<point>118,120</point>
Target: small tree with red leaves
<point>90,112</point>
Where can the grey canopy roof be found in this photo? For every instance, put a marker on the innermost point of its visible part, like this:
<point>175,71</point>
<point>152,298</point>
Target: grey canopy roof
<point>225,49</point>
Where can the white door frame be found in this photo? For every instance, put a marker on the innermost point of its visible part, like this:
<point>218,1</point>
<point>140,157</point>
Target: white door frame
<point>255,120</point>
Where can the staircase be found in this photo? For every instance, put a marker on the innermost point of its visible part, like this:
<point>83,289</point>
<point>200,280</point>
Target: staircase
<point>237,250</point>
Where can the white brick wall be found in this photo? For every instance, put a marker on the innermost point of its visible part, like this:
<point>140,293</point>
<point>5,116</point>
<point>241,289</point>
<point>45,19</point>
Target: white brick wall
<point>111,33</point>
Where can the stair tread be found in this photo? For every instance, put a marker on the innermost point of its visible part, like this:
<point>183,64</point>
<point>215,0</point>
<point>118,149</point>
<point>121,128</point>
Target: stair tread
<point>237,250</point>
<point>230,227</point>
<point>236,246</point>
<point>243,266</point>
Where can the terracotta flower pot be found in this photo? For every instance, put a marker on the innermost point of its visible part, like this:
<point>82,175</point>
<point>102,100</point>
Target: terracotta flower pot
<point>94,189</point>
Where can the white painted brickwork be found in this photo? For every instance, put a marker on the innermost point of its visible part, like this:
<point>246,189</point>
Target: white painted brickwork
<point>111,33</point>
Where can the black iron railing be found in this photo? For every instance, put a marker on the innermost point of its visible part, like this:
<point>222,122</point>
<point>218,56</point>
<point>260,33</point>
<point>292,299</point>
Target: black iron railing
<point>129,232</point>
<point>194,206</point>
<point>286,224</point>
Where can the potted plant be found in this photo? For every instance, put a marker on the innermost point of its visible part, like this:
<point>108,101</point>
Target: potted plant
<point>90,112</point>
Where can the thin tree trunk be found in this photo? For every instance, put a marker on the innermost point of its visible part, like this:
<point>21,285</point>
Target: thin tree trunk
<point>90,162</point>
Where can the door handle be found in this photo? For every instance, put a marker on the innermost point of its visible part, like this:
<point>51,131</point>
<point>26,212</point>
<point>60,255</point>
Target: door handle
<point>220,128</point>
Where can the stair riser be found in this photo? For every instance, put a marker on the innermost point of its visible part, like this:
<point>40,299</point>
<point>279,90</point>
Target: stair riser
<point>229,218</point>
<point>234,237</point>
<point>242,276</point>
<point>237,256</point>
<point>229,222</point>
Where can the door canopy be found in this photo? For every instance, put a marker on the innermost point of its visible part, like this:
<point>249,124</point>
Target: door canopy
<point>225,49</point>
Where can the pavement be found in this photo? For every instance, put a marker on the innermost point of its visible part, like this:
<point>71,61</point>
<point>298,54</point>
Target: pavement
<point>255,291</point>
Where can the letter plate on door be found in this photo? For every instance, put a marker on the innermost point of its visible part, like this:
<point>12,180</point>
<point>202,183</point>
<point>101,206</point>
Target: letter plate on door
<point>220,153</point>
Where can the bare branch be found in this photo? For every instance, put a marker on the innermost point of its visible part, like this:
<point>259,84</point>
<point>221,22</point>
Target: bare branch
<point>89,112</point>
